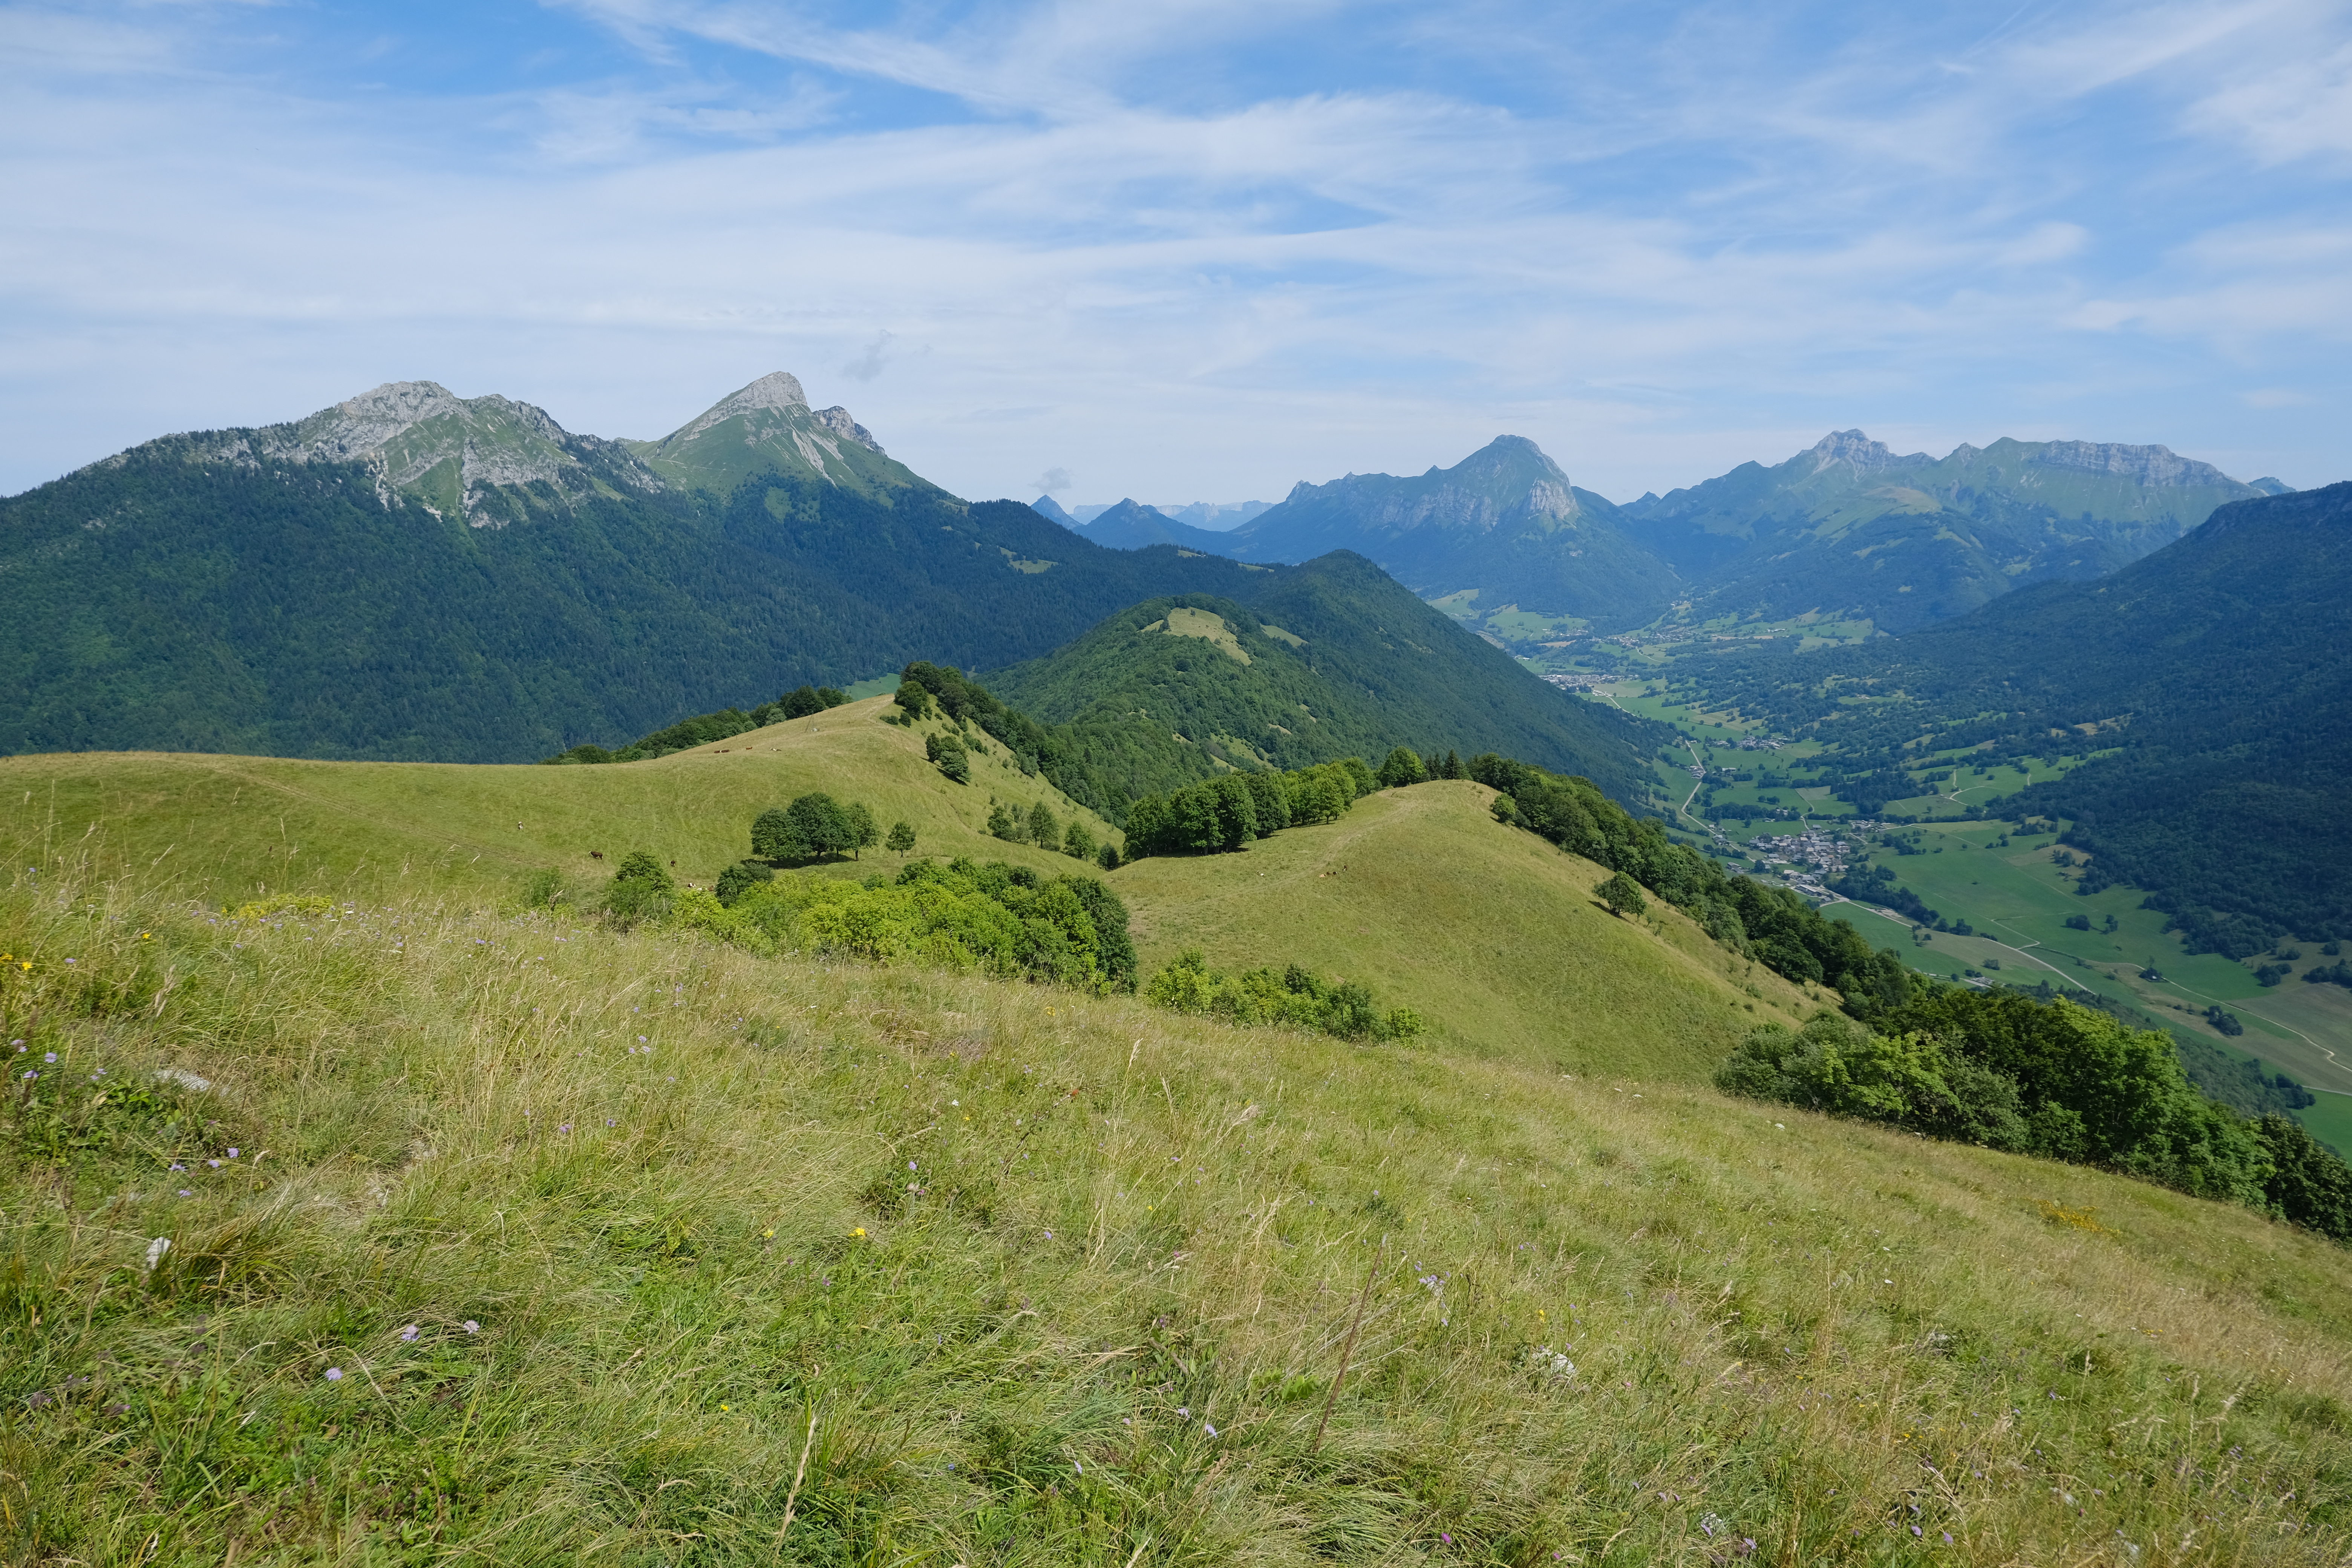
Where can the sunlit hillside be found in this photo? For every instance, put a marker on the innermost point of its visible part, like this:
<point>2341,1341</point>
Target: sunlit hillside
<point>387,1235</point>
<point>1489,933</point>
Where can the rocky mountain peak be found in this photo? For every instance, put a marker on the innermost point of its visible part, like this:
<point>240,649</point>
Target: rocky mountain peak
<point>837,420</point>
<point>778,389</point>
<point>1859,452</point>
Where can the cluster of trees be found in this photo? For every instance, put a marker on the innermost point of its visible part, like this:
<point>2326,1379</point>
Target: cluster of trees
<point>2049,1078</point>
<point>1228,812</point>
<point>992,918</point>
<point>1290,997</point>
<point>814,825</point>
<point>705,728</point>
<point>1772,925</point>
<point>1039,826</point>
<point>926,689</point>
<point>1871,884</point>
<point>1405,767</point>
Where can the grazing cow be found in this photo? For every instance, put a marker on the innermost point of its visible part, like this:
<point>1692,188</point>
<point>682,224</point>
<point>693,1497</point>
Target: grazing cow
<point>595,853</point>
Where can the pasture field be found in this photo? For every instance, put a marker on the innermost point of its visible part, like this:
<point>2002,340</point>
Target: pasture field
<point>223,829</point>
<point>503,1237</point>
<point>1488,933</point>
<point>2018,896</point>
<point>1491,933</point>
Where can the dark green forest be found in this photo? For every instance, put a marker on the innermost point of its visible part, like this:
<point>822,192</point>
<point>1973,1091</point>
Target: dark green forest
<point>1339,660</point>
<point>168,600</point>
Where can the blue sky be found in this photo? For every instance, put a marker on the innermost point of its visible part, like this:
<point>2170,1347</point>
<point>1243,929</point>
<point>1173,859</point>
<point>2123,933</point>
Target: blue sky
<point>1198,249</point>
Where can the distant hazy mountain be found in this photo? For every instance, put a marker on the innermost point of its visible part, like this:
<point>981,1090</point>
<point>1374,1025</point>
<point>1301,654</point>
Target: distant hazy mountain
<point>1502,527</point>
<point>1852,529</point>
<point>417,575</point>
<point>2219,671</point>
<point>1047,507</point>
<point>1217,517</point>
<point>1131,525</point>
<point>1300,665</point>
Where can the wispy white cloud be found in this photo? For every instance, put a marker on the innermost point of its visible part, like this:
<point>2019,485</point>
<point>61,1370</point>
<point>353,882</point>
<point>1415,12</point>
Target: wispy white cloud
<point>1195,250</point>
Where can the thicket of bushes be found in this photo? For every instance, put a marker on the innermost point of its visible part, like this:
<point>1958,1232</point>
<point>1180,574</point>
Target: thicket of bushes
<point>2050,1078</point>
<point>1000,919</point>
<point>1290,996</point>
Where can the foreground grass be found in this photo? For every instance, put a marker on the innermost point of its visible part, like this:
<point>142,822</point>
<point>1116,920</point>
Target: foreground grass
<point>636,1250</point>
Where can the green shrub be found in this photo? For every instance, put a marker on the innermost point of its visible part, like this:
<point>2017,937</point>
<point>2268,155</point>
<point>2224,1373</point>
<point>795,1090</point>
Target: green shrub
<point>948,751</point>
<point>1623,895</point>
<point>996,918</point>
<point>641,891</point>
<point>1077,843</point>
<point>742,875</point>
<point>1289,997</point>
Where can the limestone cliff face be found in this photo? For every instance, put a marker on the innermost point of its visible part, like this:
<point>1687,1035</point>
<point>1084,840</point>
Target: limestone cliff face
<point>1859,453</point>
<point>492,460</point>
<point>475,457</point>
<point>2141,465</point>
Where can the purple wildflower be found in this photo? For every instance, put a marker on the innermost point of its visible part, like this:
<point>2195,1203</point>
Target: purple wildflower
<point>408,1335</point>
<point>472,1327</point>
<point>334,1374</point>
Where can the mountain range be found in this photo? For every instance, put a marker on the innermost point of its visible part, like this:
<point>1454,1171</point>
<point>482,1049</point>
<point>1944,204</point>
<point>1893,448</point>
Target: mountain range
<point>414,575</point>
<point>1847,531</point>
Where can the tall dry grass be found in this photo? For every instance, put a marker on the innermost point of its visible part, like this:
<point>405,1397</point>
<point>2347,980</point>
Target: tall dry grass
<point>626,1248</point>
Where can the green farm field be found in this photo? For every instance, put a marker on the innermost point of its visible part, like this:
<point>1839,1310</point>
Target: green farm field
<point>2018,897</point>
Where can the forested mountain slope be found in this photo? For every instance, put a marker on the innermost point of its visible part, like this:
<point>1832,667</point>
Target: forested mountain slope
<point>1328,659</point>
<point>1852,529</point>
<point>2219,667</point>
<point>1503,525</point>
<point>414,575</point>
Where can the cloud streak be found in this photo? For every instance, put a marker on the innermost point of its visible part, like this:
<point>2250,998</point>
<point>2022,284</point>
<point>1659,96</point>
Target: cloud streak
<point>1200,249</point>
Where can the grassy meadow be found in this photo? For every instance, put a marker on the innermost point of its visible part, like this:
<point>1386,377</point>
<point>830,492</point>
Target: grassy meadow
<point>337,1233</point>
<point>844,1264</point>
<point>226,829</point>
<point>1494,935</point>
